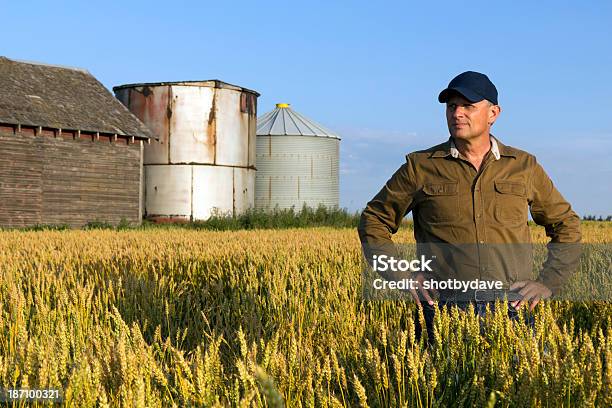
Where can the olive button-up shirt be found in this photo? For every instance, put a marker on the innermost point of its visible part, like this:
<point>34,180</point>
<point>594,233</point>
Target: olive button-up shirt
<point>454,203</point>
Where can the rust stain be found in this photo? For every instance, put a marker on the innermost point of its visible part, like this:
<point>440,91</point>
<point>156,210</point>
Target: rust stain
<point>248,103</point>
<point>248,150</point>
<point>168,219</point>
<point>234,192</point>
<point>146,91</point>
<point>137,104</point>
<point>211,127</point>
<point>150,104</point>
<point>169,101</point>
<point>155,115</point>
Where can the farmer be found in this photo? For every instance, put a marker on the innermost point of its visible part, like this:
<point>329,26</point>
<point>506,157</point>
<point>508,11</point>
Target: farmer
<point>472,193</point>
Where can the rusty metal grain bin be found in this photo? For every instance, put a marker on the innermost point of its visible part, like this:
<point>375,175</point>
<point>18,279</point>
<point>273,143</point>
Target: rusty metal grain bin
<point>204,159</point>
<point>297,162</point>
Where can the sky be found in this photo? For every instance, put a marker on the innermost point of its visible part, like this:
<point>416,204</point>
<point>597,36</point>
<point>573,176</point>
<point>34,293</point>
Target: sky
<point>370,71</point>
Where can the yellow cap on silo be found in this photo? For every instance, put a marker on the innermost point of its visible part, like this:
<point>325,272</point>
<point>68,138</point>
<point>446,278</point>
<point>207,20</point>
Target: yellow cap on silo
<point>282,105</point>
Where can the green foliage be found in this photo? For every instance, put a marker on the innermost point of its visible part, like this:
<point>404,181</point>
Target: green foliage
<point>600,218</point>
<point>307,217</point>
<point>43,227</point>
<point>94,225</point>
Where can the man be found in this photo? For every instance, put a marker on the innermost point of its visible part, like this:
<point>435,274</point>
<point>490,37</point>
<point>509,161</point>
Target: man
<point>474,190</point>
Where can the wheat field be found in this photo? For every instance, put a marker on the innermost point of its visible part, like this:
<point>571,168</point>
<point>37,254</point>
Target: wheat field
<point>163,318</point>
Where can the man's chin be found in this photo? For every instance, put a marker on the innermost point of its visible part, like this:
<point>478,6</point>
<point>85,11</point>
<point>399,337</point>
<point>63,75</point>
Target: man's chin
<point>462,135</point>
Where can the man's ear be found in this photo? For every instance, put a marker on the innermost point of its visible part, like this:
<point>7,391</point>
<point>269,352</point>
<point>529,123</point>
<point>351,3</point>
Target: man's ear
<point>494,112</point>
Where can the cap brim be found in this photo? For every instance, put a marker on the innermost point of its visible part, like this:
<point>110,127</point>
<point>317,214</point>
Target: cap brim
<point>466,93</point>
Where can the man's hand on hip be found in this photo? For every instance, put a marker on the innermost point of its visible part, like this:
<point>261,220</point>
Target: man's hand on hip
<point>428,295</point>
<point>531,291</point>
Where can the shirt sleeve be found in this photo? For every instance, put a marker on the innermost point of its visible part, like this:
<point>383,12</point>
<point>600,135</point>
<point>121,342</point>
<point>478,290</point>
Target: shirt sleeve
<point>549,209</point>
<point>384,213</point>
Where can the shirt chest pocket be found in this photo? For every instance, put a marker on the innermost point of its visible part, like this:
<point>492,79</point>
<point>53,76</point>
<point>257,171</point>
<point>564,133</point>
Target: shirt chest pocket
<point>440,202</point>
<point>510,202</point>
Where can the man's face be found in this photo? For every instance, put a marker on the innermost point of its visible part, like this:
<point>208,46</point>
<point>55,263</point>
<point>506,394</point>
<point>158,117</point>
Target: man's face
<point>468,120</point>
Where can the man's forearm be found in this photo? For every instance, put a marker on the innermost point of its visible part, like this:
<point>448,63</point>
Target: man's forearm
<point>373,233</point>
<point>384,213</point>
<point>376,240</point>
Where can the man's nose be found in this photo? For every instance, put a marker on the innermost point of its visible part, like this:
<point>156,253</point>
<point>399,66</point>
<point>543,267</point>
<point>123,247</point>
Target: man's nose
<point>458,112</point>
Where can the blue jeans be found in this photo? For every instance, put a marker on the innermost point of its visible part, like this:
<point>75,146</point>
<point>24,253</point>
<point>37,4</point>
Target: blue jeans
<point>479,310</point>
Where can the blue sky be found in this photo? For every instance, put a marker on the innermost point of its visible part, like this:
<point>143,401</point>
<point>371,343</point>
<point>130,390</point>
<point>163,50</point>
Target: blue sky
<point>371,71</point>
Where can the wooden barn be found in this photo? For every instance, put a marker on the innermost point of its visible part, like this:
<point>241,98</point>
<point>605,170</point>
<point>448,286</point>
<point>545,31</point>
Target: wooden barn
<point>70,153</point>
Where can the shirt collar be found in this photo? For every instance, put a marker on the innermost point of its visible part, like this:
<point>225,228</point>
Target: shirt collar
<point>494,148</point>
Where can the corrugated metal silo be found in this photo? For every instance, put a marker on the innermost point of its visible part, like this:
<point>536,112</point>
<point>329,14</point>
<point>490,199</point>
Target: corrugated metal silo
<point>297,162</point>
<point>205,156</point>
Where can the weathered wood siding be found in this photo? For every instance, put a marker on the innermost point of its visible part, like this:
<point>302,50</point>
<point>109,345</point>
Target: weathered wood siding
<point>49,180</point>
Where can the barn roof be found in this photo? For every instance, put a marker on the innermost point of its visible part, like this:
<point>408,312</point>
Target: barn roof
<point>34,94</point>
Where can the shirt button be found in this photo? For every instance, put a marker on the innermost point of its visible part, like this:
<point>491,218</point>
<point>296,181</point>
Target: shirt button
<point>483,268</point>
<point>481,241</point>
<point>477,215</point>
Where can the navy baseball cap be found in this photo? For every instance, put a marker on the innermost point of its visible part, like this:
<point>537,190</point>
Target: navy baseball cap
<point>474,86</point>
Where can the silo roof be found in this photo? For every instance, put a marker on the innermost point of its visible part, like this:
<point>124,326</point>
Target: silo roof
<point>284,121</point>
<point>209,83</point>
